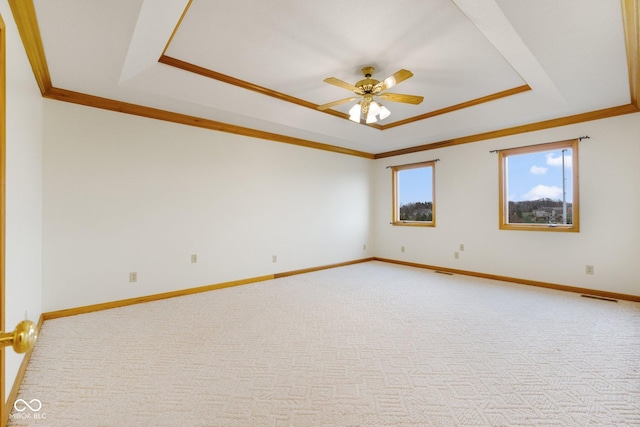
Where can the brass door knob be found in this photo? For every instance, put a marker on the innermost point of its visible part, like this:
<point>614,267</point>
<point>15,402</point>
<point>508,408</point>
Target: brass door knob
<point>22,339</point>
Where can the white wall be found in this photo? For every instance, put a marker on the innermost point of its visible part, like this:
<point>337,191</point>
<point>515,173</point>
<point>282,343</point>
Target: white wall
<point>124,193</point>
<point>23,192</point>
<point>467,212</point>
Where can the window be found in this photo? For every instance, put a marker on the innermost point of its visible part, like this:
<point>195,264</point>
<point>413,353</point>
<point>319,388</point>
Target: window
<point>539,187</point>
<point>414,194</point>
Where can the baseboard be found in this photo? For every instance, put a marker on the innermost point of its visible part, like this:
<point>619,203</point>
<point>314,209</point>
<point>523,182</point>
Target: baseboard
<point>148,298</point>
<point>190,291</point>
<point>323,267</point>
<point>13,394</point>
<point>605,294</point>
<point>182,292</point>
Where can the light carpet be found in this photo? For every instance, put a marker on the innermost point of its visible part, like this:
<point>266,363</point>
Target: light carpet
<point>370,344</point>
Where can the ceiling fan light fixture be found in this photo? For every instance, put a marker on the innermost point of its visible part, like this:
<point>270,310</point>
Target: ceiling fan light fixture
<point>374,110</point>
<point>371,118</point>
<point>384,112</point>
<point>367,109</point>
<point>354,113</point>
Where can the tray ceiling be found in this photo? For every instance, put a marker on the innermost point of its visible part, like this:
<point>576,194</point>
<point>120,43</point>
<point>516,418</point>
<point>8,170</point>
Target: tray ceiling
<point>481,65</point>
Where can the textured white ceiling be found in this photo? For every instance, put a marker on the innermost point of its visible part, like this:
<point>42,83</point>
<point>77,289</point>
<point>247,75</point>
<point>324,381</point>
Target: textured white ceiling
<point>570,52</point>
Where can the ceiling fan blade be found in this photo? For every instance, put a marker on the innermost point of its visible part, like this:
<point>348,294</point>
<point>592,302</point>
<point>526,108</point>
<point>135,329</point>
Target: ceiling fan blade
<point>391,81</point>
<point>399,97</point>
<point>343,85</point>
<point>335,103</point>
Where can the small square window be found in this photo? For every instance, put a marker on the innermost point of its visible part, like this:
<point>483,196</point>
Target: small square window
<point>414,194</point>
<point>539,187</point>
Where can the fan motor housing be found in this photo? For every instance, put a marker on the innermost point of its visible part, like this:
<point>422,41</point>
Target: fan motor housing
<point>368,83</point>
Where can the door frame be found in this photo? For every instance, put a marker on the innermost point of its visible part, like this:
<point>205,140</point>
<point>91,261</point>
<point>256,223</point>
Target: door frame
<point>3,127</point>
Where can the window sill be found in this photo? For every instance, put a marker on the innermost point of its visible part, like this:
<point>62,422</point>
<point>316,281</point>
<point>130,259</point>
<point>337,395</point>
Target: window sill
<point>542,227</point>
<point>414,223</point>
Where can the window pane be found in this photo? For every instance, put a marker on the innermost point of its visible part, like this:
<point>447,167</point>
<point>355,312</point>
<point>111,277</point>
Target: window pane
<point>539,187</point>
<point>415,194</point>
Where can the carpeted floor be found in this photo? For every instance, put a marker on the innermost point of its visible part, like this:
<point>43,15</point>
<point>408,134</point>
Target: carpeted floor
<point>370,344</point>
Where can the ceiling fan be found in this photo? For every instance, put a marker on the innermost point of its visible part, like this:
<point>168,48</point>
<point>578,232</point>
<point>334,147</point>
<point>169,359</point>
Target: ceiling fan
<point>366,89</point>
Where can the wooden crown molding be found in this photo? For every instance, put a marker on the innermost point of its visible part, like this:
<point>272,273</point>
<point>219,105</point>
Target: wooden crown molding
<point>154,113</point>
<point>205,72</point>
<point>24,14</point>
<point>214,75</point>
<point>26,20</point>
<point>631,21</point>
<point>25,17</point>
<point>531,127</point>
<point>467,104</point>
<point>631,17</point>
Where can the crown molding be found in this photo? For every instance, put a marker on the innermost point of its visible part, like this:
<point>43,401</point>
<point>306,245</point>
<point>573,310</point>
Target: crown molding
<point>26,21</point>
<point>531,127</point>
<point>631,17</point>
<point>169,116</point>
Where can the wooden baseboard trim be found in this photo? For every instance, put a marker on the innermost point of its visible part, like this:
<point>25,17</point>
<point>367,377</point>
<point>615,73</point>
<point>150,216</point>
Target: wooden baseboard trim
<point>148,298</point>
<point>182,292</point>
<point>595,292</point>
<point>323,267</point>
<point>13,394</point>
<point>190,291</point>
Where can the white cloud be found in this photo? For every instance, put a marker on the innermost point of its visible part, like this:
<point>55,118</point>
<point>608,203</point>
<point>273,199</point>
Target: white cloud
<point>538,170</point>
<point>543,192</point>
<point>557,161</point>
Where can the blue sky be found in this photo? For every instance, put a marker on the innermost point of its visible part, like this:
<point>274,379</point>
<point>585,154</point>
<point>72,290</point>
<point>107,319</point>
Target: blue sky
<point>534,176</point>
<point>531,176</point>
<point>415,185</point>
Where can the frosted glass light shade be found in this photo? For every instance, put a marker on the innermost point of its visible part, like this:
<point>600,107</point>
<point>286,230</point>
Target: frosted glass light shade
<point>384,112</point>
<point>354,113</point>
<point>376,112</point>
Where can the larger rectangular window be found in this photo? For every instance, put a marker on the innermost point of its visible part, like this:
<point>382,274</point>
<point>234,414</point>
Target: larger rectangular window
<point>539,187</point>
<point>414,194</point>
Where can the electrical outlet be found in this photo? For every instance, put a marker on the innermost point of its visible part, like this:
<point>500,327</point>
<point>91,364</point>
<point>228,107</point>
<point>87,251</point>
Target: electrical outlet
<point>194,259</point>
<point>456,255</point>
<point>588,269</point>
<point>274,258</point>
<point>401,248</point>
<point>364,247</point>
<point>461,247</point>
<point>133,277</point>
